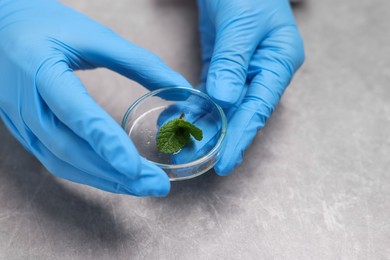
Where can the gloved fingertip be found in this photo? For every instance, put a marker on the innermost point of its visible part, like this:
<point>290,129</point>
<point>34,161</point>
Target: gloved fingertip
<point>224,88</point>
<point>224,170</point>
<point>154,185</point>
<point>162,192</point>
<point>179,80</point>
<point>224,102</point>
<point>153,74</point>
<point>155,180</point>
<point>227,164</point>
<point>160,185</point>
<point>221,171</point>
<point>130,167</point>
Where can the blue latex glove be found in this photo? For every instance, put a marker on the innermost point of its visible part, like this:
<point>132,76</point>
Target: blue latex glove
<point>250,51</point>
<point>49,111</point>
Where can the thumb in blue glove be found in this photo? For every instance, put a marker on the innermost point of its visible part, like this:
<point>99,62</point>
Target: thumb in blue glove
<point>250,51</point>
<point>49,111</point>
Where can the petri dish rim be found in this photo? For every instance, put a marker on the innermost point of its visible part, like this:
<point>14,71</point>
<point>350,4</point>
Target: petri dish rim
<point>206,157</point>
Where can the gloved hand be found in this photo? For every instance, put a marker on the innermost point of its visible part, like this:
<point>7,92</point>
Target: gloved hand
<point>49,111</point>
<point>250,51</point>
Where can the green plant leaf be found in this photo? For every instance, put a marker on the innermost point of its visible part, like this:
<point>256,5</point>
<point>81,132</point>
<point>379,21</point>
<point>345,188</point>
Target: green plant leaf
<point>196,132</point>
<point>174,135</point>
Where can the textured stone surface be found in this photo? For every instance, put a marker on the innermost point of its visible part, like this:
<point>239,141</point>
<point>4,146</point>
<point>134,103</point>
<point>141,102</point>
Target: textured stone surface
<point>315,183</point>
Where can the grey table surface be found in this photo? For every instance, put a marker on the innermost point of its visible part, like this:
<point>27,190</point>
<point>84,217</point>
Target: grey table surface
<point>315,183</point>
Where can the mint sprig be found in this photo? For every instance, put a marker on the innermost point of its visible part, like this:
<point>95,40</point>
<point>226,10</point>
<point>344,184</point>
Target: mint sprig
<point>175,134</point>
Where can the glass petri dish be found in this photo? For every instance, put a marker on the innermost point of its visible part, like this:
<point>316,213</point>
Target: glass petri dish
<point>144,118</point>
